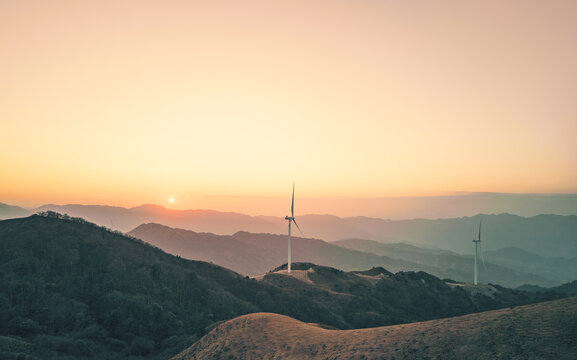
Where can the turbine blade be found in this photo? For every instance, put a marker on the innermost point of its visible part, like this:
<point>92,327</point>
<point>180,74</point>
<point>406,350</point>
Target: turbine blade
<point>293,203</point>
<point>298,227</point>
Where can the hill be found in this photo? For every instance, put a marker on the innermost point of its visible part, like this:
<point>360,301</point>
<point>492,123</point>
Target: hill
<point>544,235</point>
<point>72,289</point>
<point>539,331</point>
<point>254,254</point>
<point>378,297</point>
<point>508,266</point>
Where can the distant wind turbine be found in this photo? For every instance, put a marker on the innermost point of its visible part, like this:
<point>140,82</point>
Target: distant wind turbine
<point>291,219</point>
<point>478,245</point>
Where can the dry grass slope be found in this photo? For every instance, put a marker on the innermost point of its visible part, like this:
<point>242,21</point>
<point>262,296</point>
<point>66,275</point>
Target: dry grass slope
<point>538,331</point>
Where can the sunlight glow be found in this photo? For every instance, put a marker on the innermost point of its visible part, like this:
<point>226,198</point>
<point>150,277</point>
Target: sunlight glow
<point>121,101</point>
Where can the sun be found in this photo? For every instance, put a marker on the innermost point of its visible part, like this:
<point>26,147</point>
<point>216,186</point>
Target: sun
<point>171,200</point>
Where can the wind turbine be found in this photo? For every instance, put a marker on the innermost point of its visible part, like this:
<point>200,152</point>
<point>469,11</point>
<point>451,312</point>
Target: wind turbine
<point>291,219</point>
<point>478,245</point>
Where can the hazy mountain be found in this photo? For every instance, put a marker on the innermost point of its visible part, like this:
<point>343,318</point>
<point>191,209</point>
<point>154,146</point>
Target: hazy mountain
<point>558,268</point>
<point>254,254</point>
<point>569,288</point>
<point>507,266</point>
<point>10,211</point>
<point>539,331</point>
<point>71,289</point>
<point>123,219</point>
<point>544,235</point>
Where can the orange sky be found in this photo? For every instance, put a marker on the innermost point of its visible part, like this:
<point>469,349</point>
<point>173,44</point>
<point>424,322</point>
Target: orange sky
<point>131,102</point>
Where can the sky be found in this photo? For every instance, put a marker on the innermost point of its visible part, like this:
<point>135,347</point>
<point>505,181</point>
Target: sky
<point>128,102</point>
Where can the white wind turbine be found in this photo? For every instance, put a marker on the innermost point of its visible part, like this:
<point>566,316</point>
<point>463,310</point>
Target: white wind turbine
<point>291,219</point>
<point>478,245</point>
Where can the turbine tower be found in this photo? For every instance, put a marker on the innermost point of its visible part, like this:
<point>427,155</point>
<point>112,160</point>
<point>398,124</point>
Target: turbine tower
<point>477,244</point>
<point>291,219</point>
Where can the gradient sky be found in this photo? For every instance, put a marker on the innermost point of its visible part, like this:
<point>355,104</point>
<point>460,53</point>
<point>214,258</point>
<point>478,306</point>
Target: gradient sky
<point>132,102</point>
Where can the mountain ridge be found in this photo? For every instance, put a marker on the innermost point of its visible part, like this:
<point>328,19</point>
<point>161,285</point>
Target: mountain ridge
<point>493,264</point>
<point>261,252</point>
<point>545,235</point>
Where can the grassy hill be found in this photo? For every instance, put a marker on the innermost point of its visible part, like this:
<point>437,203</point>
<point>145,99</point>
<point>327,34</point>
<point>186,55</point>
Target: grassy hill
<point>539,331</point>
<point>377,297</point>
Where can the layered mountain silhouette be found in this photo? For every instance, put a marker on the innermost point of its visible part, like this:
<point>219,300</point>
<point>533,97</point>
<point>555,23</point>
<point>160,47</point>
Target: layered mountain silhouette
<point>544,235</point>
<point>126,219</point>
<point>508,266</point>
<point>254,254</point>
<point>72,289</point>
<point>540,331</point>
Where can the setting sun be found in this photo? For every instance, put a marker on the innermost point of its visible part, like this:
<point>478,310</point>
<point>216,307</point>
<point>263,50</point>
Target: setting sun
<point>171,200</point>
<point>117,102</point>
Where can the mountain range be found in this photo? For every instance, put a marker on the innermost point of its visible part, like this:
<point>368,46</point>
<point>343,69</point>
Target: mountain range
<point>72,289</point>
<point>543,235</point>
<point>254,254</point>
<point>508,266</point>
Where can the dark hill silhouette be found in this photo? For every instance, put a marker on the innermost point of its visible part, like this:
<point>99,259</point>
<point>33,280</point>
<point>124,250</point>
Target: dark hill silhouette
<point>539,331</point>
<point>69,288</point>
<point>254,254</point>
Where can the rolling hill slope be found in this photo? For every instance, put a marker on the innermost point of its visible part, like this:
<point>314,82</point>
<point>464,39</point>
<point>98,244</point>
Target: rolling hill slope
<point>539,331</point>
